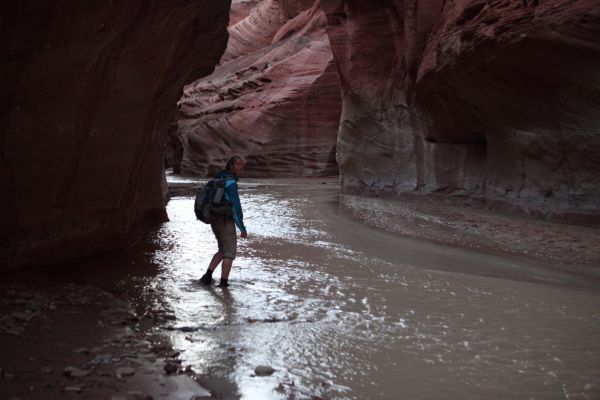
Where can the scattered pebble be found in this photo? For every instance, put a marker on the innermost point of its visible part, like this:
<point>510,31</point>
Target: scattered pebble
<point>75,389</point>
<point>74,372</point>
<point>199,396</point>
<point>81,350</point>
<point>138,394</point>
<point>170,367</point>
<point>125,371</point>
<point>263,370</point>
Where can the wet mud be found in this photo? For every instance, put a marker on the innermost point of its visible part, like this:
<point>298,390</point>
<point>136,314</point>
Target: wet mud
<point>320,306</point>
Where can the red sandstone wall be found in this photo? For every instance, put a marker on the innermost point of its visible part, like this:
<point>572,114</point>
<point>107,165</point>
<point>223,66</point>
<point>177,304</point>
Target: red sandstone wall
<point>87,93</point>
<point>240,9</point>
<point>255,30</point>
<point>494,101</point>
<point>275,99</point>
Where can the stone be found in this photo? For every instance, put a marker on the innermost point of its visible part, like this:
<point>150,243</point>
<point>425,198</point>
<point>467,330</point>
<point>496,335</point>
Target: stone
<point>170,367</point>
<point>189,370</point>
<point>124,371</point>
<point>73,389</point>
<point>139,395</point>
<point>74,372</point>
<point>199,396</point>
<point>263,370</point>
<point>102,359</point>
<point>81,350</point>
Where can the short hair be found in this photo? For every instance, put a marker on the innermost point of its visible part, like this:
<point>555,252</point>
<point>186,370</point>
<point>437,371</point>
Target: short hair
<point>232,161</point>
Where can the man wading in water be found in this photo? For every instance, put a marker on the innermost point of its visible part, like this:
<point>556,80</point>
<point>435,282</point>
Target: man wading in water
<point>224,228</point>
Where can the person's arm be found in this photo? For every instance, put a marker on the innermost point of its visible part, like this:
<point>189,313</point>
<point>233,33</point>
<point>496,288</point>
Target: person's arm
<point>231,195</point>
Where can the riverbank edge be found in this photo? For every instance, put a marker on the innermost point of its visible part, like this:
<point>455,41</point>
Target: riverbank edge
<point>67,340</point>
<point>571,248</point>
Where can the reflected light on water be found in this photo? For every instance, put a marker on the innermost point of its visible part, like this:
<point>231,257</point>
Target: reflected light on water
<point>236,330</point>
<point>339,321</point>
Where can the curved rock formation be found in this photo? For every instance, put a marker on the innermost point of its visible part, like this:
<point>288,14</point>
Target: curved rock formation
<point>86,96</point>
<point>495,102</point>
<point>279,105</point>
<point>240,9</point>
<point>254,31</point>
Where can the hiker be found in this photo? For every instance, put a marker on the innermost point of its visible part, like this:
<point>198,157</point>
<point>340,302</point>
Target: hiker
<point>224,228</point>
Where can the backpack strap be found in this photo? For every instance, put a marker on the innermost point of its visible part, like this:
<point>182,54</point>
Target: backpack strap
<point>229,182</point>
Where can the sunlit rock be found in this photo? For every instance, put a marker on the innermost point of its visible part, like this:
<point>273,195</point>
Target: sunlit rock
<point>87,93</point>
<point>494,102</point>
<point>275,99</point>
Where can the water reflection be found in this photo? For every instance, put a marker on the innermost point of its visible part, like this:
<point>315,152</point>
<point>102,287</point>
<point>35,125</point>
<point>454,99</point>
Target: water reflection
<point>171,178</point>
<point>337,317</point>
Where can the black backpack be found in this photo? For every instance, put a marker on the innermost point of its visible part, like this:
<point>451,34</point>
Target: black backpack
<point>210,201</point>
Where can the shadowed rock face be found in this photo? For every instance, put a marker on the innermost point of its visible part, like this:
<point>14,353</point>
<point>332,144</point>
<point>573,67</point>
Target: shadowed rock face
<point>486,100</point>
<point>86,96</point>
<point>275,98</point>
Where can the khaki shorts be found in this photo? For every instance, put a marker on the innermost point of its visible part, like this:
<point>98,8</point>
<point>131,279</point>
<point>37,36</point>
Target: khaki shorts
<point>224,230</point>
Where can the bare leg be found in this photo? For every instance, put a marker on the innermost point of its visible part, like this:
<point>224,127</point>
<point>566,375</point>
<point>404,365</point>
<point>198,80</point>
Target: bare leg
<point>206,279</point>
<point>226,267</point>
<point>214,263</point>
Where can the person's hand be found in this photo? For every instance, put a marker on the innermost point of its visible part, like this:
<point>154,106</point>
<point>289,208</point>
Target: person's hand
<point>244,235</point>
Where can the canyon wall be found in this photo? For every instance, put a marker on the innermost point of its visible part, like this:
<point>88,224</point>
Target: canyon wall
<point>274,99</point>
<point>488,102</point>
<point>88,90</point>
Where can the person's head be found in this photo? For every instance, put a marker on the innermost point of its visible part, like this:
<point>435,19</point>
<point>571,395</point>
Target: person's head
<point>235,164</point>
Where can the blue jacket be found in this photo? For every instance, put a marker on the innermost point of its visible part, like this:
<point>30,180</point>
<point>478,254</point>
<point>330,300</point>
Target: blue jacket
<point>232,196</point>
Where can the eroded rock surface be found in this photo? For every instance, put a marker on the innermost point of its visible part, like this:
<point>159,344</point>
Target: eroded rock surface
<point>87,93</point>
<point>493,101</point>
<point>275,98</point>
<point>240,9</point>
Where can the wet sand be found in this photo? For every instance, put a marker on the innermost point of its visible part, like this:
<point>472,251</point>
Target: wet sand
<point>337,309</point>
<point>558,245</point>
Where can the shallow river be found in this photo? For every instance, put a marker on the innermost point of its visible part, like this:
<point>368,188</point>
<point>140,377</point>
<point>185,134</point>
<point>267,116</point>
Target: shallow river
<point>343,311</point>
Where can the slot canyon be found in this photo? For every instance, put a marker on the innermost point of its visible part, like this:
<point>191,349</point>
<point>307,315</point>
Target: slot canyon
<point>421,191</point>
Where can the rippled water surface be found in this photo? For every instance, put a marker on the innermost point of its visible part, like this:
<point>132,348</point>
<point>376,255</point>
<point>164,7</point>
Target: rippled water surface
<point>341,310</point>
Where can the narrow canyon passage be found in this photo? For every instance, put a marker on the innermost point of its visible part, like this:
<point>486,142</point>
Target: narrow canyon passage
<point>341,310</point>
<point>461,122</point>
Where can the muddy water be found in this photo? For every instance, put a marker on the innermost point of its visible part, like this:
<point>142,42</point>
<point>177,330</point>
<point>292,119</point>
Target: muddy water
<point>343,311</point>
